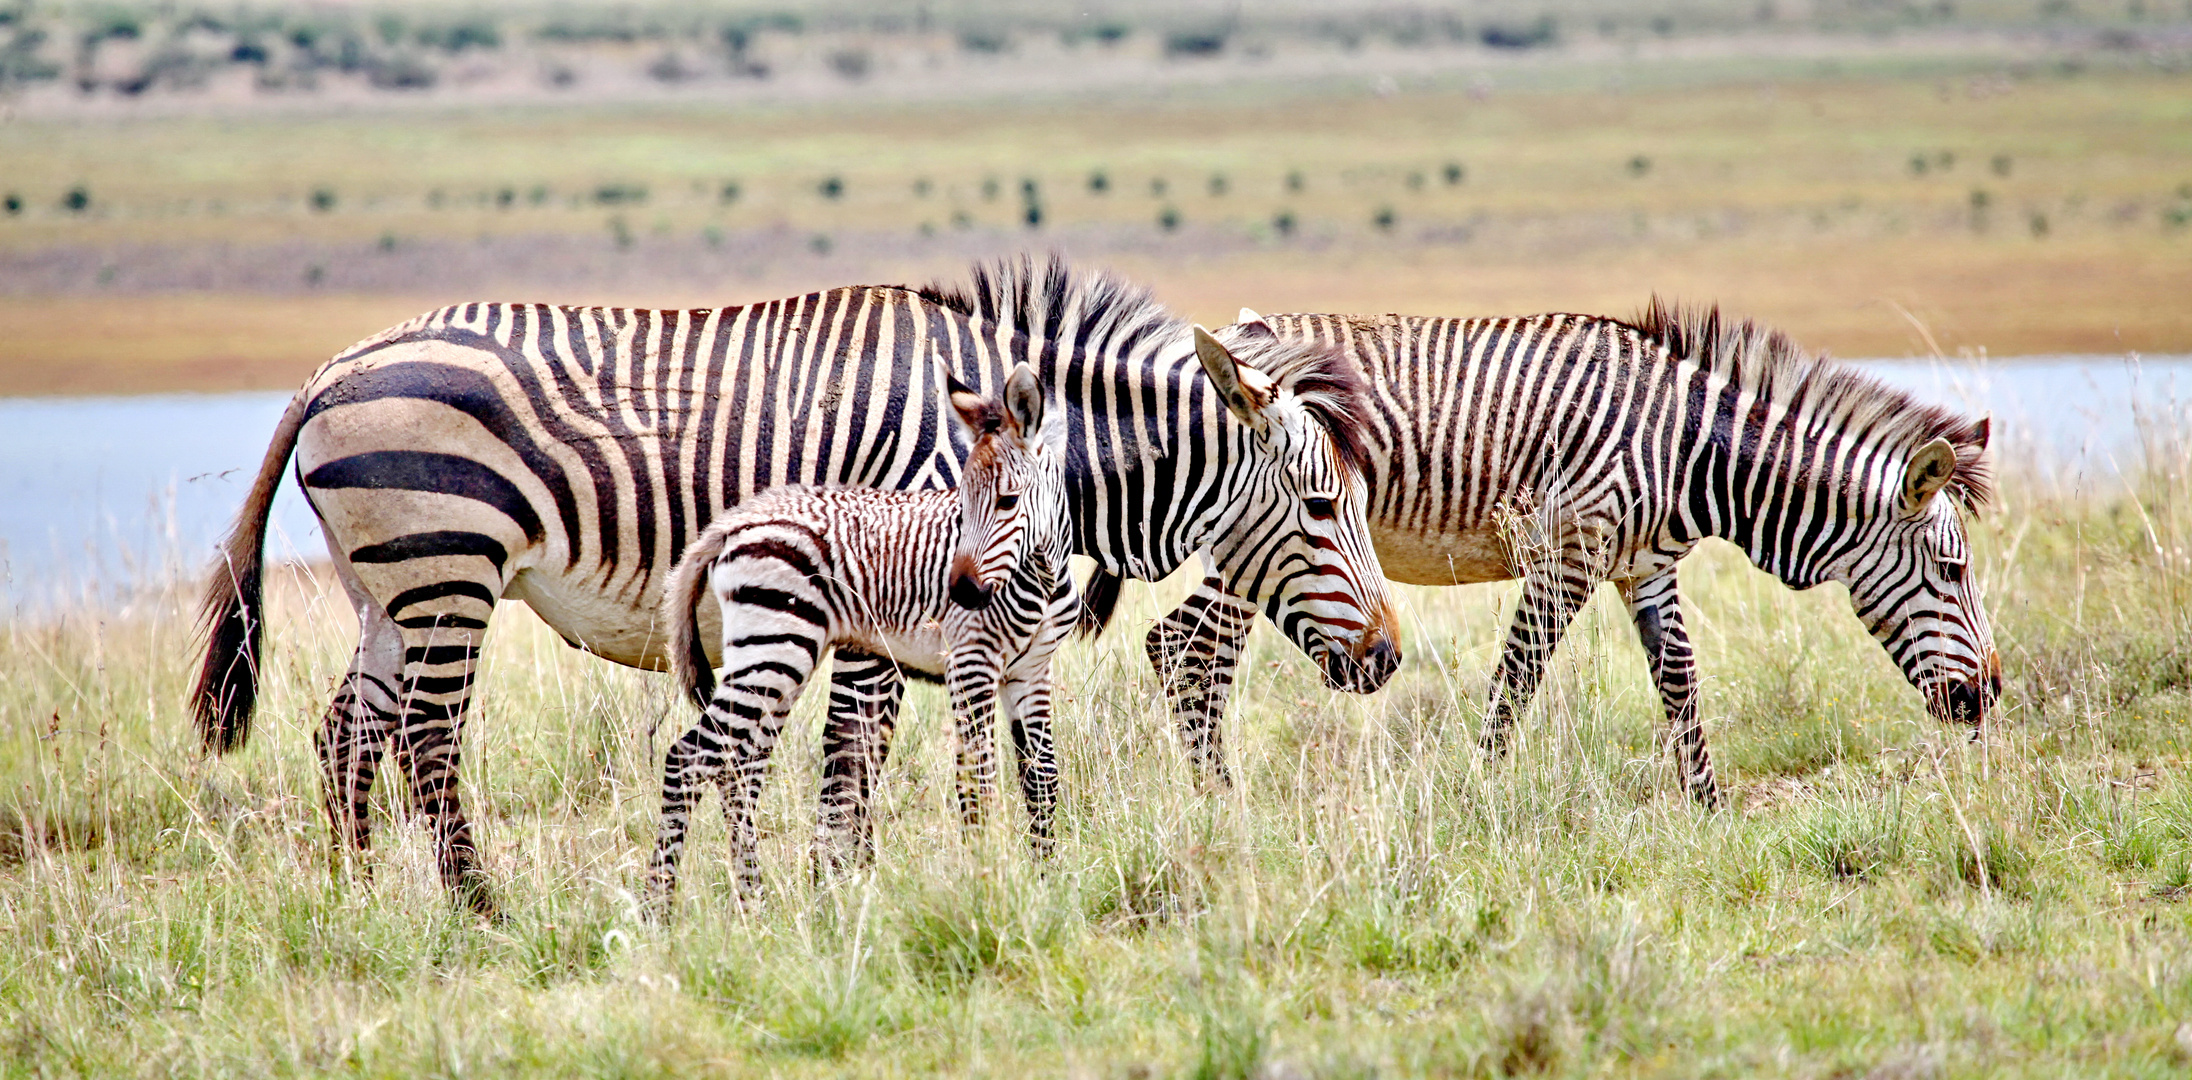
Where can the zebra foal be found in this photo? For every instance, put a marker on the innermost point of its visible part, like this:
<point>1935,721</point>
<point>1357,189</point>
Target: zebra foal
<point>969,584</point>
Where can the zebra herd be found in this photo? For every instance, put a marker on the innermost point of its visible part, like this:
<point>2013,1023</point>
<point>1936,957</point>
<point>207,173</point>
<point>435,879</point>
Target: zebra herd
<point>566,457</point>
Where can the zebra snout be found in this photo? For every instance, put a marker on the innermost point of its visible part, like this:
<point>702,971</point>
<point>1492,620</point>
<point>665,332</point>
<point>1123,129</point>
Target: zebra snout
<point>969,593</point>
<point>1380,660</point>
<point>1969,702</point>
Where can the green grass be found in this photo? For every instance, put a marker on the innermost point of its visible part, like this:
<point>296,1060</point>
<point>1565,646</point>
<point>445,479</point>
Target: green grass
<point>1372,899</point>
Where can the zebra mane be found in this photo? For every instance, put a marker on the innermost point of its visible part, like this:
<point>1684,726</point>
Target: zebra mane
<point>1774,367</point>
<point>1041,299</point>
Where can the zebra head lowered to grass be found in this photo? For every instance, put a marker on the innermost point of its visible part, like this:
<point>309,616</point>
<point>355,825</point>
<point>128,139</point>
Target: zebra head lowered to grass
<point>969,585</point>
<point>1570,450</point>
<point>564,457</point>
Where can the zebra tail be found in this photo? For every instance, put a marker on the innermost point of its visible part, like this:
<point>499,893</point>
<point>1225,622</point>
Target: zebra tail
<point>1099,602</point>
<point>688,586</point>
<point>231,614</point>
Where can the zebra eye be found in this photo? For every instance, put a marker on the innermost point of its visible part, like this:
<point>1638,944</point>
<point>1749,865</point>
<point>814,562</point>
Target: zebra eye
<point>1321,509</point>
<point>1007,502</point>
<point>1953,571</point>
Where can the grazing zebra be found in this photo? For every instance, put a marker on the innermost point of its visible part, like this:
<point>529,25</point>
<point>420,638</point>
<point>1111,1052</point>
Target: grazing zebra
<point>970,585</point>
<point>1568,450</point>
<point>565,456</point>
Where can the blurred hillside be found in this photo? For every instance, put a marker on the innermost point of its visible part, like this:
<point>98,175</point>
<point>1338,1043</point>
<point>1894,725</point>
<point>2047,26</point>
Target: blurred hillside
<point>218,196</point>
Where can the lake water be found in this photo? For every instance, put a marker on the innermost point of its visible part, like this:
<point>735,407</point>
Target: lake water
<point>106,492</point>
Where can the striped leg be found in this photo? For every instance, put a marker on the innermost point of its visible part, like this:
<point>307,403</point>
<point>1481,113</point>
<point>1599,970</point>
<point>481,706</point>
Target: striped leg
<point>1026,696</point>
<point>731,742</point>
<point>1656,607</point>
<point>972,675</point>
<point>865,692</point>
<point>1195,650</point>
<point>439,663</point>
<point>1552,593</point>
<point>354,734</point>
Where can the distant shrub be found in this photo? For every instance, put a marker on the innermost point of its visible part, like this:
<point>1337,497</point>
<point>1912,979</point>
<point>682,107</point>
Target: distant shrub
<point>851,63</point>
<point>1453,173</point>
<point>1384,219</point>
<point>831,187</point>
<point>77,199</point>
<point>1540,33</point>
<point>1415,181</point>
<point>1168,219</point>
<point>400,72</point>
<point>819,243</point>
<point>1157,187</point>
<point>729,192</point>
<point>322,199</point>
<point>990,188</point>
<point>1099,182</point>
<point>2001,165</point>
<point>1103,33</point>
<point>620,194</point>
<point>538,195</point>
<point>1195,43</point>
<point>922,186</point>
<point>505,198</point>
<point>1295,181</point>
<point>1639,166</point>
<point>1218,185</point>
<point>984,41</point>
<point>620,231</point>
<point>1283,223</point>
<point>13,203</point>
<point>457,37</point>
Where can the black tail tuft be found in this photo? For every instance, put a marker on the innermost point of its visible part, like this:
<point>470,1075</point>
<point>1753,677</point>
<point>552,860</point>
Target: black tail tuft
<point>228,682</point>
<point>1099,602</point>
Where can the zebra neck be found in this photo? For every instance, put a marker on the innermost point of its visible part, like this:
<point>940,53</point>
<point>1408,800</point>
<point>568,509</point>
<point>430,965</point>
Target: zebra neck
<point>1767,478</point>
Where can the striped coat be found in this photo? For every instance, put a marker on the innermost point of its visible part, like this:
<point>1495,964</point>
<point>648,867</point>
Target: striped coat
<point>563,457</point>
<point>1570,450</point>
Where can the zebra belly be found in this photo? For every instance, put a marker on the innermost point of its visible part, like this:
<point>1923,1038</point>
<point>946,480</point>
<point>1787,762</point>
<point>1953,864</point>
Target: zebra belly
<point>1462,558</point>
<point>921,649</point>
<point>626,629</point>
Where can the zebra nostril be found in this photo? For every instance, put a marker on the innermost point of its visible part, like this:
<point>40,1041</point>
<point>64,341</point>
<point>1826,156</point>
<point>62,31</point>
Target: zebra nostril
<point>969,593</point>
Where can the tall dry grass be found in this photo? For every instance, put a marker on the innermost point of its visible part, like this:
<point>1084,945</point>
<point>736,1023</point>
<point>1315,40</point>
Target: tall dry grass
<point>1882,896</point>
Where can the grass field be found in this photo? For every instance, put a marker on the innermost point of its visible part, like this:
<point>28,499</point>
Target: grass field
<point>1881,898</point>
<point>2010,206</point>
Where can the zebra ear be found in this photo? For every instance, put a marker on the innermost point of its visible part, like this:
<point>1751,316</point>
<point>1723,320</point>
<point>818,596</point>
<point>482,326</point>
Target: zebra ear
<point>1024,401</point>
<point>1251,327</point>
<point>1929,471</point>
<point>1981,430</point>
<point>978,413</point>
<point>1225,374</point>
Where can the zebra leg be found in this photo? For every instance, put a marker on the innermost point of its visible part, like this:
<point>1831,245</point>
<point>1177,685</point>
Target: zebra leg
<point>1194,650</point>
<point>1026,698</point>
<point>973,677</point>
<point>865,692</point>
<point>354,734</point>
<point>1552,593</point>
<point>1656,608</point>
<point>439,663</point>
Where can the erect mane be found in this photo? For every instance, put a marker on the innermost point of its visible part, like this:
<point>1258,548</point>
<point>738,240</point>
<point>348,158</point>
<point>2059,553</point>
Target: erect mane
<point>1044,298</point>
<point>1775,368</point>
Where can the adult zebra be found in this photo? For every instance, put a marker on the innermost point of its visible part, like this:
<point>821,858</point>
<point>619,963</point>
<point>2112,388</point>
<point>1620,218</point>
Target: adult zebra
<point>1610,450</point>
<point>565,456</point>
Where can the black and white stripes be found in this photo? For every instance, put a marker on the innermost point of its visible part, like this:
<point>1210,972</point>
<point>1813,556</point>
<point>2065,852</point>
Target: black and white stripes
<point>969,585</point>
<point>1570,450</point>
<point>565,456</point>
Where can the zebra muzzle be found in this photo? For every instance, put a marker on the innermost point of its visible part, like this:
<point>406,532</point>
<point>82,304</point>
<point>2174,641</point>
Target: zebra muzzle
<point>968,592</point>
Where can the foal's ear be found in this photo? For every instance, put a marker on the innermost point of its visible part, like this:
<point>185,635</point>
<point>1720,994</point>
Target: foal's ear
<point>980,415</point>
<point>1024,401</point>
